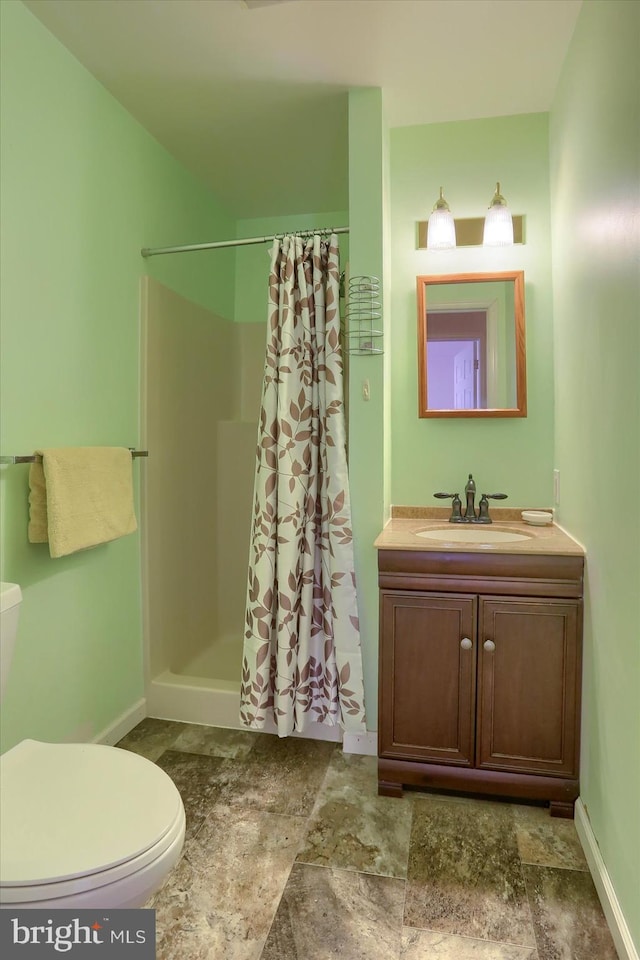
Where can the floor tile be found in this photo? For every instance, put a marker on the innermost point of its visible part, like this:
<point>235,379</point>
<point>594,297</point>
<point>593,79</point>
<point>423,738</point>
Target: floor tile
<point>282,775</point>
<point>327,913</point>
<point>567,917</point>
<point>198,779</point>
<point>352,827</point>
<point>152,737</point>
<point>215,741</point>
<point>291,855</point>
<point>464,873</point>
<point>547,841</point>
<point>427,945</point>
<point>220,900</point>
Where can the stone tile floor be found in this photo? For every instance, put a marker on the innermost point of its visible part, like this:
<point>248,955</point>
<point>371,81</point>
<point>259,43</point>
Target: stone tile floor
<point>290,854</point>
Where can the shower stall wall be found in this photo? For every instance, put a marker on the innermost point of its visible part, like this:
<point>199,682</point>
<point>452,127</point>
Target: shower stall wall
<point>201,384</point>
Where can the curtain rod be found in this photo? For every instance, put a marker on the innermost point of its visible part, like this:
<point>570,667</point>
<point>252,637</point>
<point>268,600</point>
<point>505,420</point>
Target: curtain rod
<point>156,251</point>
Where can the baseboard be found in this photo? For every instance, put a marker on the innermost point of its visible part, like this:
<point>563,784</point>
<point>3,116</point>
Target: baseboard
<point>365,744</point>
<point>123,724</point>
<point>610,905</point>
<point>312,731</point>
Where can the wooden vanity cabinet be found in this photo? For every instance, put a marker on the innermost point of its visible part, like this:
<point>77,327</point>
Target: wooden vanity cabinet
<point>480,674</point>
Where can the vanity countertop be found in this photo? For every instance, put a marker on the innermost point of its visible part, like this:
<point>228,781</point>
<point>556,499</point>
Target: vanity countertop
<point>400,533</point>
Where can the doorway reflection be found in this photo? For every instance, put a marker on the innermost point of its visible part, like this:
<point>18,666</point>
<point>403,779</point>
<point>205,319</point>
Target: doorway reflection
<point>457,360</point>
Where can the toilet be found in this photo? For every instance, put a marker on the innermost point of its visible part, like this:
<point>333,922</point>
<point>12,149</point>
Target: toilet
<point>81,825</point>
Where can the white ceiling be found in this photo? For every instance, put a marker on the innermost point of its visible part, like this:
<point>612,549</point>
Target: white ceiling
<point>250,95</point>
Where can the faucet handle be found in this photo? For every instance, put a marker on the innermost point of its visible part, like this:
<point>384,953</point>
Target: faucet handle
<point>456,505</point>
<point>483,512</point>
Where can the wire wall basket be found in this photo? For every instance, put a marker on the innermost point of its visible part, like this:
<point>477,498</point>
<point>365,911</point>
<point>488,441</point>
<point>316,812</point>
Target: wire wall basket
<point>363,317</point>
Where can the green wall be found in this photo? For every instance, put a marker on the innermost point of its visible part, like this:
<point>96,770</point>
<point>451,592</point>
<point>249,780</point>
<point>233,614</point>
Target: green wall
<point>467,158</point>
<point>595,150</point>
<point>84,187</point>
<point>368,440</point>
<point>252,262</point>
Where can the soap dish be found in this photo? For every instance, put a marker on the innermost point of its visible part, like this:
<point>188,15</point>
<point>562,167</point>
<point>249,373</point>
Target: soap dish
<point>539,518</point>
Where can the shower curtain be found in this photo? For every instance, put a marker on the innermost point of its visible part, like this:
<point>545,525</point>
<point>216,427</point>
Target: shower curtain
<point>302,659</point>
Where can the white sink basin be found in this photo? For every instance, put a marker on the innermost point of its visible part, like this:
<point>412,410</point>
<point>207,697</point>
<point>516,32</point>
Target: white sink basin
<point>464,534</point>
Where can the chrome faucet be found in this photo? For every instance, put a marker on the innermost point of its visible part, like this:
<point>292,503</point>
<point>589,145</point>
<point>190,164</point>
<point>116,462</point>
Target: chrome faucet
<point>470,515</point>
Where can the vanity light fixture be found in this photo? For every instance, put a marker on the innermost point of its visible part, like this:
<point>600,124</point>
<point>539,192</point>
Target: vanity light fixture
<point>498,223</point>
<point>441,229</point>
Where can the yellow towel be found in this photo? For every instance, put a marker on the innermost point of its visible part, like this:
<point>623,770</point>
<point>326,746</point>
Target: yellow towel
<point>80,497</point>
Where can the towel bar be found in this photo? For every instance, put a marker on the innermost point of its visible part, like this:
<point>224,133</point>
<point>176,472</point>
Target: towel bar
<point>38,459</point>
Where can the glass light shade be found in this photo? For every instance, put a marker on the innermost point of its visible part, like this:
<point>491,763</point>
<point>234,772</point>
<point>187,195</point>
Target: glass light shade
<point>498,223</point>
<point>441,228</point>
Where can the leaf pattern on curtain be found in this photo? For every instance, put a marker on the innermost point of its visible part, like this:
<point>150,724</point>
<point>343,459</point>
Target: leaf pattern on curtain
<point>302,658</point>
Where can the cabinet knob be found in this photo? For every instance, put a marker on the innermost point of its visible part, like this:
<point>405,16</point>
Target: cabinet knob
<point>466,644</point>
<point>489,646</point>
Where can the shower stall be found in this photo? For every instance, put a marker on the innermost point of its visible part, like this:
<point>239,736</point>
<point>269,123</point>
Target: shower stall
<point>201,385</point>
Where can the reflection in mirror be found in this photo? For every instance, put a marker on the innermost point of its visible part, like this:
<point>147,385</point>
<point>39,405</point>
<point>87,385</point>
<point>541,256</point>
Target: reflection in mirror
<point>471,345</point>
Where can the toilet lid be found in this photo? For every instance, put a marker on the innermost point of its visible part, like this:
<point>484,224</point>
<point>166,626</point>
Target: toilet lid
<point>72,809</point>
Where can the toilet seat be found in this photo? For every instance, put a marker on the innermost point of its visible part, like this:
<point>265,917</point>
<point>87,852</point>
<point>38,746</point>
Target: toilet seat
<point>75,817</point>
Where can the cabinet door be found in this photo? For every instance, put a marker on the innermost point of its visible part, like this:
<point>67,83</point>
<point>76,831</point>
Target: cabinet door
<point>427,677</point>
<point>529,685</point>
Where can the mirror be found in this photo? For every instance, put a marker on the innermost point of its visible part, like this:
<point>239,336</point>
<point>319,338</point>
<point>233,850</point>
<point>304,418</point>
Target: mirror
<point>471,345</point>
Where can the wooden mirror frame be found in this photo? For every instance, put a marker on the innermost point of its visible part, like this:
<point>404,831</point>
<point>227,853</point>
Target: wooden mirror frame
<point>520,410</point>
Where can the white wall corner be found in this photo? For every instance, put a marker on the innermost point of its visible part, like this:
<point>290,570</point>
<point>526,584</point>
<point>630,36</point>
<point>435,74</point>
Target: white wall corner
<point>123,724</point>
<point>610,904</point>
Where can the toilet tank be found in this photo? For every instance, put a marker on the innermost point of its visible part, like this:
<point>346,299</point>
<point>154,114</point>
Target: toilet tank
<point>10,600</point>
